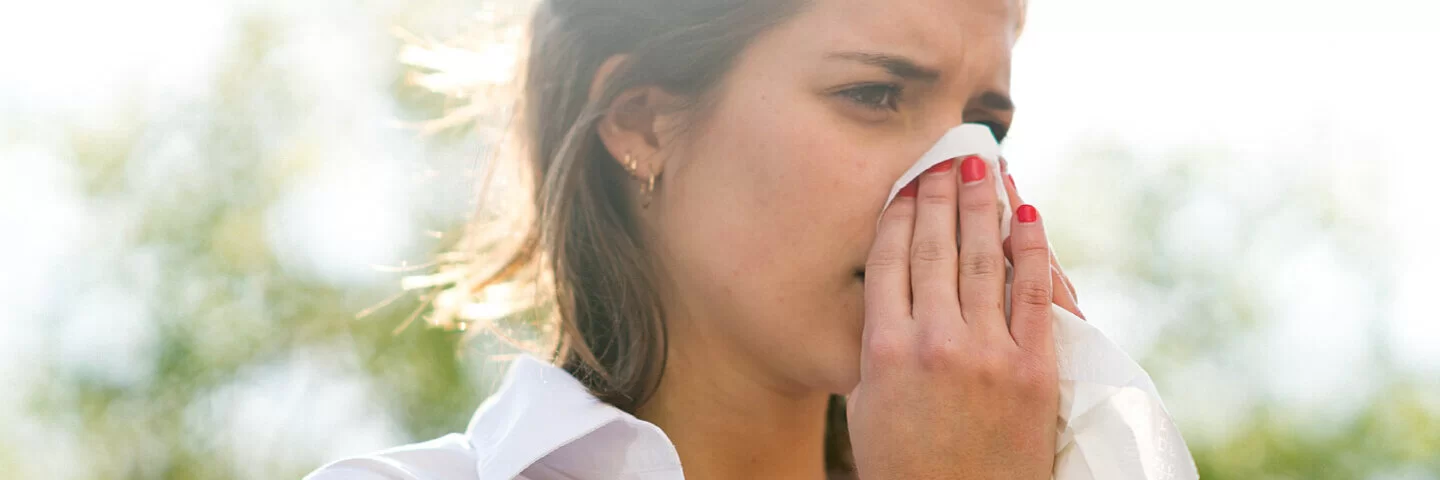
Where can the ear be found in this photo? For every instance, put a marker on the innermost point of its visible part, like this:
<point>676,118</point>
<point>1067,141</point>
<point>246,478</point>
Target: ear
<point>637,123</point>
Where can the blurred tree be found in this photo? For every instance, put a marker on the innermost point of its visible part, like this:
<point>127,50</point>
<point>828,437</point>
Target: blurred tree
<point>1205,292</point>
<point>247,360</point>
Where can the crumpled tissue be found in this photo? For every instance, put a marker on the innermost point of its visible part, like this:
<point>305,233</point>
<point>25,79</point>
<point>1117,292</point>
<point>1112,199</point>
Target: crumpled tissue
<point>1112,422</point>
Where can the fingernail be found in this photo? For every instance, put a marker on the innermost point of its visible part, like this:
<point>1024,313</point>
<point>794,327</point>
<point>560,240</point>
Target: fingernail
<point>1027,214</point>
<point>911,189</point>
<point>1010,179</point>
<point>941,167</point>
<point>972,169</point>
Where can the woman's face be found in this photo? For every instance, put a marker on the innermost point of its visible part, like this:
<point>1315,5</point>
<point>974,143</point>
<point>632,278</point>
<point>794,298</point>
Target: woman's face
<point>768,213</point>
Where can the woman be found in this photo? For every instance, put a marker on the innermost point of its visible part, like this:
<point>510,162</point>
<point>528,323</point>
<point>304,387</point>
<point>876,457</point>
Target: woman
<point>710,173</point>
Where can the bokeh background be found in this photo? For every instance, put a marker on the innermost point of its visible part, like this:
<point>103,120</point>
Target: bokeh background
<point>208,209</point>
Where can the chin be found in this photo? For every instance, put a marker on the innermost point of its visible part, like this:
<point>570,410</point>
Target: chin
<point>846,384</point>
<point>841,382</point>
<point>828,360</point>
<point>841,372</point>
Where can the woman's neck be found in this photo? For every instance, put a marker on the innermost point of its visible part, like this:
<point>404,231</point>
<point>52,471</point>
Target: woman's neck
<point>728,422</point>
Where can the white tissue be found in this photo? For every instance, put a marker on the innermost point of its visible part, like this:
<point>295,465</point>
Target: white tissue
<point>1112,422</point>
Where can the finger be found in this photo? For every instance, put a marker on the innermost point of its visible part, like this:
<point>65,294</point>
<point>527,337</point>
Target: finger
<point>1069,287</point>
<point>1032,290</point>
<point>887,268</point>
<point>1012,193</point>
<point>982,263</point>
<point>1062,296</point>
<point>933,249</point>
<point>1016,202</point>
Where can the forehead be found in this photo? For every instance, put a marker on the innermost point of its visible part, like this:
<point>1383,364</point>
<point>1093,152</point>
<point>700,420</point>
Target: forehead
<point>935,32</point>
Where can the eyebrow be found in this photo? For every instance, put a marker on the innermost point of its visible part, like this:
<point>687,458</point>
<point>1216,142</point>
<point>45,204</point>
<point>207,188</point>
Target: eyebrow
<point>910,70</point>
<point>897,65</point>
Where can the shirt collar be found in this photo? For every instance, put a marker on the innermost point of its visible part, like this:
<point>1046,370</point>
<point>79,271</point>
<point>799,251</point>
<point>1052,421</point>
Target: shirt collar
<point>540,408</point>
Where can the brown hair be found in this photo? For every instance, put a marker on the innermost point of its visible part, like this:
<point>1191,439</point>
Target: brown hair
<point>595,277</point>
<point>612,330</point>
<point>585,237</point>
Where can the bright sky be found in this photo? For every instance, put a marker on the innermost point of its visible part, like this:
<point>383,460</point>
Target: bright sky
<point>1284,87</point>
<point>1351,86</point>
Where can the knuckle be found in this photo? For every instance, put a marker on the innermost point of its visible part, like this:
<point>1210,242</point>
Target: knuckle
<point>941,355</point>
<point>1026,377</point>
<point>989,370</point>
<point>887,259</point>
<point>935,197</point>
<point>1030,292</point>
<point>1032,251</point>
<point>1036,379</point>
<point>982,265</point>
<point>979,205</point>
<point>886,347</point>
<point>898,212</point>
<point>932,251</point>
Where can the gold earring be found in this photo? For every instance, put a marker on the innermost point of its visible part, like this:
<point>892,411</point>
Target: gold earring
<point>646,188</point>
<point>629,163</point>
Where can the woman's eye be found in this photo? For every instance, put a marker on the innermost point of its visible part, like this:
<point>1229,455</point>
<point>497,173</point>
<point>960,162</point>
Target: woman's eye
<point>877,96</point>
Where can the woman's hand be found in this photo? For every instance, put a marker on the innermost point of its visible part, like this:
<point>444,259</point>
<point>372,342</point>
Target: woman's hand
<point>947,390</point>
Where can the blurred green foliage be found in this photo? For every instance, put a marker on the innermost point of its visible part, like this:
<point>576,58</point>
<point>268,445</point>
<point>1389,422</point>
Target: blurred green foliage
<point>229,313</point>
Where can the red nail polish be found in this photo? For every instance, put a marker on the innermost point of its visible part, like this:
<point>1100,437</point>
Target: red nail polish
<point>941,167</point>
<point>1027,214</point>
<point>910,190</point>
<point>1010,179</point>
<point>972,169</point>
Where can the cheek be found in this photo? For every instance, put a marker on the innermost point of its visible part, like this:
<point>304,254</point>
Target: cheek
<point>774,189</point>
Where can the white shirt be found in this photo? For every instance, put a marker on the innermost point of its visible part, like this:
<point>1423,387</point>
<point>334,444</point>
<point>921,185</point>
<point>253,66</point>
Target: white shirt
<point>542,424</point>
